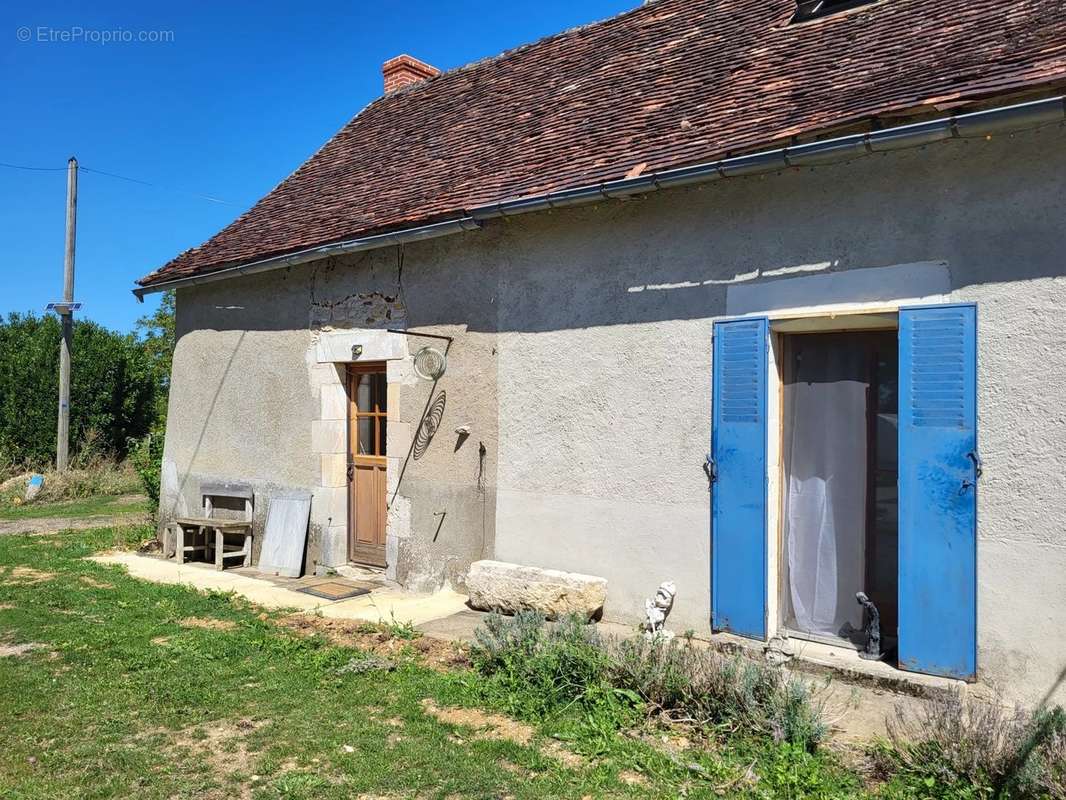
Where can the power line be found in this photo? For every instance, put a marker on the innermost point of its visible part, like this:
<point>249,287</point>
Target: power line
<point>207,197</point>
<point>33,169</point>
<point>157,186</point>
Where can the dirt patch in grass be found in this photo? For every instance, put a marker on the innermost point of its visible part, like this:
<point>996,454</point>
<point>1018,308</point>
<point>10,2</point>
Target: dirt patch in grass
<point>160,640</point>
<point>16,650</point>
<point>672,745</point>
<point>485,724</point>
<point>6,606</point>
<point>631,778</point>
<point>515,769</point>
<point>26,575</point>
<point>95,583</point>
<point>207,624</point>
<point>564,756</point>
<point>221,749</point>
<point>380,640</point>
<point>442,655</point>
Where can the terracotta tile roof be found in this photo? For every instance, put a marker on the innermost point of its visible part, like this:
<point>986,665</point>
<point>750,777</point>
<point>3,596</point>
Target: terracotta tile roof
<point>671,83</point>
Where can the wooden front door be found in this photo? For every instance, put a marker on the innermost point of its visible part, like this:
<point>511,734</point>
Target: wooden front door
<point>367,434</point>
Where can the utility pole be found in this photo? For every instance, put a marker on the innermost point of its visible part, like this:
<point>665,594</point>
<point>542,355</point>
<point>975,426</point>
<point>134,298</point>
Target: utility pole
<point>66,316</point>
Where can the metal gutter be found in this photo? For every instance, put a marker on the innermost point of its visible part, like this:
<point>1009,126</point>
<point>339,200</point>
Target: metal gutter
<point>314,253</point>
<point>978,123</point>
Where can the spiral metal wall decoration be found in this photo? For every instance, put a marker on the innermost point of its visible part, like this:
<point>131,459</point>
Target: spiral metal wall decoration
<point>430,364</point>
<point>430,424</point>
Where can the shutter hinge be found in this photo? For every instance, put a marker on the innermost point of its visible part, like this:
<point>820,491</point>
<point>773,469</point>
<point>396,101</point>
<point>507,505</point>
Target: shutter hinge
<point>978,471</point>
<point>710,466</point>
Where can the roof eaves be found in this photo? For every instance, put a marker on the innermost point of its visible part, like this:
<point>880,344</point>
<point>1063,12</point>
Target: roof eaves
<point>987,122</point>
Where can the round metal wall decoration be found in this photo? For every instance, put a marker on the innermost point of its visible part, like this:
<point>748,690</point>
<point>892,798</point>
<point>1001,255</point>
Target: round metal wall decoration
<point>430,363</point>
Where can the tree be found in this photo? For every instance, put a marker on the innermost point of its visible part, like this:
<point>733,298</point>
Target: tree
<point>156,334</point>
<point>114,388</point>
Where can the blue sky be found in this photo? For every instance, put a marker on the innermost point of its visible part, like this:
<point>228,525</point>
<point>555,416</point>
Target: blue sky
<point>239,97</point>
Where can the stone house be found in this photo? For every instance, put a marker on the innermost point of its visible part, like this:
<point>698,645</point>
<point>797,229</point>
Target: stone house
<point>723,288</point>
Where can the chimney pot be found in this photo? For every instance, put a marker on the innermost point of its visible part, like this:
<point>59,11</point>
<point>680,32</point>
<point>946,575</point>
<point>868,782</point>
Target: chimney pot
<point>405,70</point>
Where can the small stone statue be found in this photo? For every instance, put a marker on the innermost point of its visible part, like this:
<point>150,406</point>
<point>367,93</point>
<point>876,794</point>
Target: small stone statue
<point>871,651</point>
<point>657,609</point>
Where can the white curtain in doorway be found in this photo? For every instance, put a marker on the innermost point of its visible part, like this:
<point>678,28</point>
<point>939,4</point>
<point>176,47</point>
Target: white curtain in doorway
<point>825,468</point>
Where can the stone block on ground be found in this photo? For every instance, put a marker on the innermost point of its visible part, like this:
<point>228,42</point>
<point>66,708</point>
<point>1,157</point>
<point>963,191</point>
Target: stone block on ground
<point>500,586</point>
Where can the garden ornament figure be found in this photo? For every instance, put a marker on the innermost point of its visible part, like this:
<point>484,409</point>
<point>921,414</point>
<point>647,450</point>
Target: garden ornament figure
<point>871,650</point>
<point>657,609</point>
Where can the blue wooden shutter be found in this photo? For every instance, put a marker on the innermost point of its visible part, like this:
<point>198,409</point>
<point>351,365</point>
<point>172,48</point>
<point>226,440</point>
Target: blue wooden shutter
<point>938,470</point>
<point>738,500</point>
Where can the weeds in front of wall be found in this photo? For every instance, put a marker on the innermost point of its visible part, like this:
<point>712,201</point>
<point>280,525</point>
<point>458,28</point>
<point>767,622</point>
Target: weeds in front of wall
<point>393,629</point>
<point>950,747</point>
<point>389,630</point>
<point>958,746</point>
<point>708,688</point>
<point>539,668</point>
<point>400,630</point>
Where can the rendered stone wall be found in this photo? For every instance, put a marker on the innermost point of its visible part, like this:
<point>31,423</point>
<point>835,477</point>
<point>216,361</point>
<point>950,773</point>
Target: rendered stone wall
<point>582,361</point>
<point>258,395</point>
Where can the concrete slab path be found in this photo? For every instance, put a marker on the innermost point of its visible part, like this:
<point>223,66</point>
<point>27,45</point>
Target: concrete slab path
<point>384,604</point>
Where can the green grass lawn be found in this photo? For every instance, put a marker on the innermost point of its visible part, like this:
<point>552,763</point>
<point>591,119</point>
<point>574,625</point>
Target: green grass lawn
<point>120,699</point>
<point>88,507</point>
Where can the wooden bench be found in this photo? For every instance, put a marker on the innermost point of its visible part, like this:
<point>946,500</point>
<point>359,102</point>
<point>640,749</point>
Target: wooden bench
<point>207,534</point>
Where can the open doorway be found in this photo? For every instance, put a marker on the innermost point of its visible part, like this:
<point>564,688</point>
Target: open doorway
<point>839,500</point>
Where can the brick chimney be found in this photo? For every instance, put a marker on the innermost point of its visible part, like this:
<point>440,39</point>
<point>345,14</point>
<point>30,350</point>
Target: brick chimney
<point>405,70</point>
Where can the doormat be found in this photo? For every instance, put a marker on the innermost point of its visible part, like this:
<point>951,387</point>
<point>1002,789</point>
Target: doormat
<point>335,590</point>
